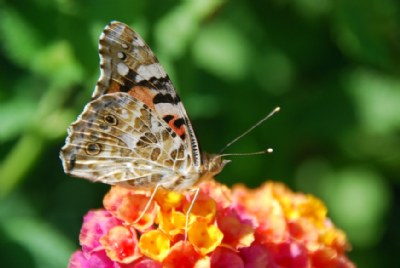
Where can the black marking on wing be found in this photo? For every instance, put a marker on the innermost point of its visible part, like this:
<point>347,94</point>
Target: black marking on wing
<point>160,83</point>
<point>72,162</point>
<point>179,122</point>
<point>128,81</point>
<point>168,118</point>
<point>165,98</point>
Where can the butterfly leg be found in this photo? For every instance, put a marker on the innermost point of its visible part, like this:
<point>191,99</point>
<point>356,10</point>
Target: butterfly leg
<point>196,194</point>
<point>153,194</point>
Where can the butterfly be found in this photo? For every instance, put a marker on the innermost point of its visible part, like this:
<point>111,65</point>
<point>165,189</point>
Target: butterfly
<point>135,131</point>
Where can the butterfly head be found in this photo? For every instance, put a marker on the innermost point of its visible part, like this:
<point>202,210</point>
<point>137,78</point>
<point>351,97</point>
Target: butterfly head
<point>213,164</point>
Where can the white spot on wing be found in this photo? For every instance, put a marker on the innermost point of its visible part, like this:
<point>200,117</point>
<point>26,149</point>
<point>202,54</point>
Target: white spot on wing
<point>124,114</point>
<point>145,72</point>
<point>167,108</point>
<point>138,42</point>
<point>120,55</point>
<point>122,69</point>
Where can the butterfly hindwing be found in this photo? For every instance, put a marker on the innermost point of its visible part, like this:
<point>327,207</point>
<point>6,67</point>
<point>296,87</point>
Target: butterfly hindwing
<point>118,130</point>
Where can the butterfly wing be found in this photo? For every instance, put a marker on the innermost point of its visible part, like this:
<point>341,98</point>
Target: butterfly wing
<point>129,65</point>
<point>120,140</point>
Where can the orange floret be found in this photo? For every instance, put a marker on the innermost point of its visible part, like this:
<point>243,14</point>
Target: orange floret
<point>171,222</point>
<point>128,206</point>
<point>204,237</point>
<point>120,244</point>
<point>183,254</point>
<point>237,233</point>
<point>154,244</point>
<point>204,208</point>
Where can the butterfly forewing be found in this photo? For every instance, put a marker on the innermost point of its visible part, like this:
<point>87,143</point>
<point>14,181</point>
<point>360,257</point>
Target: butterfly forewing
<point>128,65</point>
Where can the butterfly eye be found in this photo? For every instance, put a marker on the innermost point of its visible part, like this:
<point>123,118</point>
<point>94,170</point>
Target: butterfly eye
<point>93,148</point>
<point>111,119</point>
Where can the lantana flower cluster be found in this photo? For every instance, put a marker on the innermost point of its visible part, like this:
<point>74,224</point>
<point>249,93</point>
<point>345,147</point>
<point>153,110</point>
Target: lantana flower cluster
<point>266,227</point>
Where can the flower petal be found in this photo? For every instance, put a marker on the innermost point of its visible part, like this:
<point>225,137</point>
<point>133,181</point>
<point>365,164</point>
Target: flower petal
<point>327,257</point>
<point>226,258</point>
<point>128,205</point>
<point>204,207</point>
<point>288,254</point>
<point>171,222</point>
<point>144,263</point>
<point>154,244</point>
<point>204,237</point>
<point>183,254</point>
<point>255,256</point>
<point>237,233</point>
<point>120,244</point>
<point>96,223</point>
<point>168,200</point>
<point>98,259</point>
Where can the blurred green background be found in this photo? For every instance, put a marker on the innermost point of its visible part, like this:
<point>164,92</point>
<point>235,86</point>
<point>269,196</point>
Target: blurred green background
<point>333,66</point>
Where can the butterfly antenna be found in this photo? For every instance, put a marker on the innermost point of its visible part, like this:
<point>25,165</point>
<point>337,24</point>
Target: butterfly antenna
<point>266,151</point>
<point>277,109</point>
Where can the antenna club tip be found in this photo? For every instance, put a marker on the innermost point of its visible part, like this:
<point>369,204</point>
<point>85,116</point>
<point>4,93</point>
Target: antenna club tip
<point>269,150</point>
<point>277,109</point>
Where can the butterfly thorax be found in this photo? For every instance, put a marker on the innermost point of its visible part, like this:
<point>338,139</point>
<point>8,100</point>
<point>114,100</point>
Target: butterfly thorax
<point>185,179</point>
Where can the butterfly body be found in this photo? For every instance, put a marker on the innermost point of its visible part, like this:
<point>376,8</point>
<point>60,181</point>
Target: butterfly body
<point>135,131</point>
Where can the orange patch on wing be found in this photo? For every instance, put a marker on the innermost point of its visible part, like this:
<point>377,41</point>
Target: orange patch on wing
<point>114,87</point>
<point>143,94</point>
<point>181,130</point>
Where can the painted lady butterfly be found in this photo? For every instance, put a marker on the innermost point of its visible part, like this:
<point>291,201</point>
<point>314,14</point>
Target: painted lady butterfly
<point>135,131</point>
